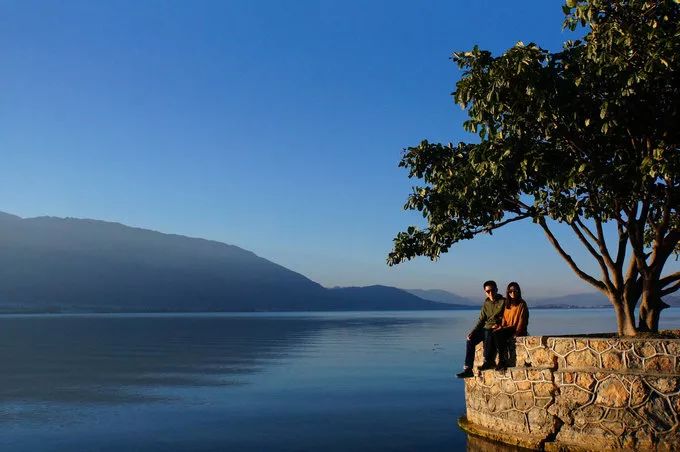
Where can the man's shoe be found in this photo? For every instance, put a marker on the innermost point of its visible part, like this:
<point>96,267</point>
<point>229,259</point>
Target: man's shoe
<point>501,366</point>
<point>466,373</point>
<point>486,366</point>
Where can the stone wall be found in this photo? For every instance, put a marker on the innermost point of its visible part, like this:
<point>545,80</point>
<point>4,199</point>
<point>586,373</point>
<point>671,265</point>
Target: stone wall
<point>571,393</point>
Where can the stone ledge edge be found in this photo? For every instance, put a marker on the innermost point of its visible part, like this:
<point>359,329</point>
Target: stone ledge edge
<point>561,370</point>
<point>527,441</point>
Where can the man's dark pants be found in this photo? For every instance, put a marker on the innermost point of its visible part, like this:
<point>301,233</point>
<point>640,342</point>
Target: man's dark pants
<point>501,339</point>
<point>480,335</point>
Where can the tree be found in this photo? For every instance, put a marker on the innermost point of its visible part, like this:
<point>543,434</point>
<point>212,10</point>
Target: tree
<point>588,136</point>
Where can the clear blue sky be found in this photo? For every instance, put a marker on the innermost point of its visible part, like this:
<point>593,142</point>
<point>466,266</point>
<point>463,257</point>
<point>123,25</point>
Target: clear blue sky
<point>276,126</point>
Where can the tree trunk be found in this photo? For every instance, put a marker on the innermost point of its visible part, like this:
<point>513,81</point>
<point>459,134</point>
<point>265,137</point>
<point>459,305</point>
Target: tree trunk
<point>625,318</point>
<point>650,310</point>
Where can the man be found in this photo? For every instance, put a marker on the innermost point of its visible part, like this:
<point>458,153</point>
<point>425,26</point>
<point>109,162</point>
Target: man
<point>489,318</point>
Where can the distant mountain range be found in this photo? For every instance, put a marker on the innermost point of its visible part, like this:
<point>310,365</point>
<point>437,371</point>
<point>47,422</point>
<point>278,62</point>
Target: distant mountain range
<point>580,301</point>
<point>443,296</point>
<point>50,264</point>
<point>57,264</point>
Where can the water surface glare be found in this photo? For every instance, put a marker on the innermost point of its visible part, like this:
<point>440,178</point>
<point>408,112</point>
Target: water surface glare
<point>274,381</point>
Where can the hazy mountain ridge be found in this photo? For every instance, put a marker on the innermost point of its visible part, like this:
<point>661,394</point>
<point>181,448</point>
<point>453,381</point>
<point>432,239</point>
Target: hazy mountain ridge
<point>442,296</point>
<point>579,301</point>
<point>49,263</point>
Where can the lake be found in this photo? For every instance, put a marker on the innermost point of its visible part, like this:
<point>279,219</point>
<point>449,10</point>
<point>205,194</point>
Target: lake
<point>263,381</point>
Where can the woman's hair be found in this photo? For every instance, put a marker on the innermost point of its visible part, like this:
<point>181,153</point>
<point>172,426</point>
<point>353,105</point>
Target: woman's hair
<point>518,292</point>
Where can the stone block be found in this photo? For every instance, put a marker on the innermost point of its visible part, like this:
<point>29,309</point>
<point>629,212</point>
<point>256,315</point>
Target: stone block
<point>534,375</point>
<point>592,413</point>
<point>523,385</point>
<point>675,403</point>
<point>581,344</point>
<point>518,374</point>
<point>662,364</point>
<point>524,401</point>
<point>563,346</point>
<point>612,360</point>
<point>631,420</point>
<point>657,413</point>
<point>633,361</point>
<point>644,349</point>
<point>508,386</point>
<point>612,393</point>
<point>503,402</point>
<point>597,434</point>
<point>585,380</point>
<point>574,395</point>
<point>599,345</point>
<point>638,392</point>
<point>583,358</point>
<point>539,420</point>
<point>543,357</point>
<point>532,342</point>
<point>663,385</point>
<point>544,389</point>
<point>543,402</point>
<point>616,428</point>
<point>521,356</point>
<point>673,347</point>
<point>562,410</point>
<point>614,414</point>
<point>622,346</point>
<point>599,376</point>
<point>494,389</point>
<point>517,418</point>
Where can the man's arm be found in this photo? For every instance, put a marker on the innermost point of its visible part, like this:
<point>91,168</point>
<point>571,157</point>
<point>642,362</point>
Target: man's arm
<point>480,322</point>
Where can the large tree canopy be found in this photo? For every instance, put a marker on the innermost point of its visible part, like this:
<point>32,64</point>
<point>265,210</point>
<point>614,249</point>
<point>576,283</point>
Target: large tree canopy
<point>585,136</point>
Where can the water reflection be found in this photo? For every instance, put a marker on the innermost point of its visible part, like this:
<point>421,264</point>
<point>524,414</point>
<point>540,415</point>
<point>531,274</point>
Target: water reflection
<point>112,359</point>
<point>285,382</point>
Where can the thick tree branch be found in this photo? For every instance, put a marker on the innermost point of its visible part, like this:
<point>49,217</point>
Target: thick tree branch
<point>670,289</point>
<point>602,243</point>
<point>595,254</point>
<point>583,275</point>
<point>623,242</point>
<point>666,280</point>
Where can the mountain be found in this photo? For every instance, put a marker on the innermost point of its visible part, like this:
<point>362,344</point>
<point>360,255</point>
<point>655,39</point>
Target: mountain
<point>443,296</point>
<point>373,297</point>
<point>583,300</point>
<point>49,263</point>
<point>586,300</point>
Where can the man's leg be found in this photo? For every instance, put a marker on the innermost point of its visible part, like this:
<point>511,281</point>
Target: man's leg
<point>501,338</point>
<point>476,338</point>
<point>489,348</point>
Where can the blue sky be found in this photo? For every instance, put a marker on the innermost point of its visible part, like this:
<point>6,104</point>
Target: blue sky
<point>276,126</point>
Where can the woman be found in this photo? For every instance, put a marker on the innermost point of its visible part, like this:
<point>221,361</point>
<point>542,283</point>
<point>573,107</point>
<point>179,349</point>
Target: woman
<point>514,323</point>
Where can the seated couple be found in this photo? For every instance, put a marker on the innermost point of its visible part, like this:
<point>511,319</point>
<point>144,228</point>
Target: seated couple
<point>500,321</point>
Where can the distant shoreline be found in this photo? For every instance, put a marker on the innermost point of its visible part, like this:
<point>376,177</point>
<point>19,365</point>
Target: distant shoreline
<point>457,308</point>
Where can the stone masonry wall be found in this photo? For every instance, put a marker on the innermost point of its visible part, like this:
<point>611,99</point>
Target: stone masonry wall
<point>570,393</point>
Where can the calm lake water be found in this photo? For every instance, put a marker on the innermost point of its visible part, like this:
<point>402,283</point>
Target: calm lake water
<point>280,382</point>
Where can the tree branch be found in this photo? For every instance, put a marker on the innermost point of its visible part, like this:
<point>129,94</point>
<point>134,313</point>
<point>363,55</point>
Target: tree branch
<point>596,255</point>
<point>602,243</point>
<point>669,279</point>
<point>670,289</point>
<point>501,224</point>
<point>623,242</point>
<point>583,275</point>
